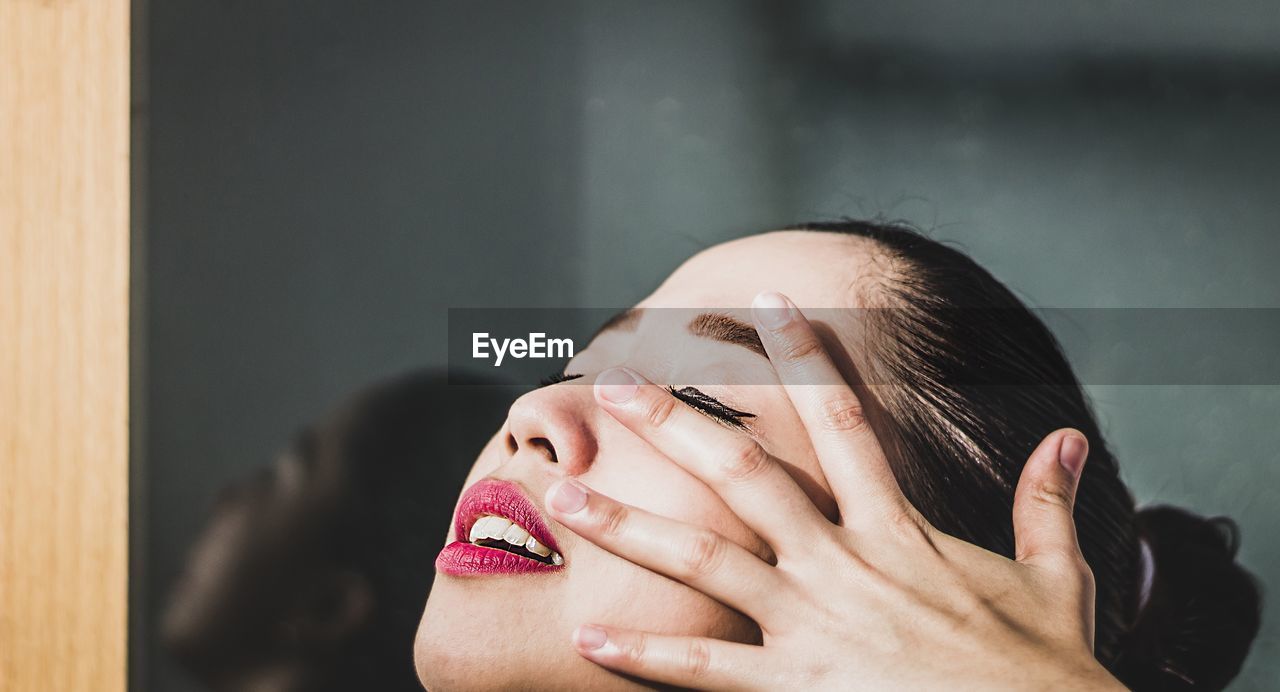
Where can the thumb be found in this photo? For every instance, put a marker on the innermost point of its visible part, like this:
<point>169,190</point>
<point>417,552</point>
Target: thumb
<point>1046,494</point>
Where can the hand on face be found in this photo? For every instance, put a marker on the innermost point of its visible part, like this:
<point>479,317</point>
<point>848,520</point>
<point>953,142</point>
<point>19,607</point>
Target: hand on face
<point>881,598</point>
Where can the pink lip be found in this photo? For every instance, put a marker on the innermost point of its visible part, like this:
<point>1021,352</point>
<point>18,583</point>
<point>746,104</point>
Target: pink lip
<point>506,499</point>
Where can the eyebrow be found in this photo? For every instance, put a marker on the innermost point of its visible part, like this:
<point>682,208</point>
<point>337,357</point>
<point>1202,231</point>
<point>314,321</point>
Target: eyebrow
<point>709,325</point>
<point>624,321</point>
<point>730,330</point>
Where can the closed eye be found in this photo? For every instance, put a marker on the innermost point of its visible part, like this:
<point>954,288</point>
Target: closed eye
<point>693,397</point>
<point>712,407</point>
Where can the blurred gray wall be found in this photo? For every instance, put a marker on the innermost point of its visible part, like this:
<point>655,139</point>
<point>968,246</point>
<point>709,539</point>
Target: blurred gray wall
<point>325,178</point>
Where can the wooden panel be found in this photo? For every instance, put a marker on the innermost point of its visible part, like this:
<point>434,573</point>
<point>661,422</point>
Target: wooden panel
<point>64,262</point>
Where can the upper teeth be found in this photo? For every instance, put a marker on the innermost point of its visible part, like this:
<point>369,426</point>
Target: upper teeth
<point>503,529</point>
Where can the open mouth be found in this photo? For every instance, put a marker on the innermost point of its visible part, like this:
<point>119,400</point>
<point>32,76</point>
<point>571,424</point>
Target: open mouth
<point>499,530</point>
<point>501,533</point>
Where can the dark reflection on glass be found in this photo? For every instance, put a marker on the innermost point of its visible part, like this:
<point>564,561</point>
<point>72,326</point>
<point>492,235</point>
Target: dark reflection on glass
<point>312,573</point>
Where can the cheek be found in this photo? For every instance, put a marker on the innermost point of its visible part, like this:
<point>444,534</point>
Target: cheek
<point>612,591</point>
<point>657,485</point>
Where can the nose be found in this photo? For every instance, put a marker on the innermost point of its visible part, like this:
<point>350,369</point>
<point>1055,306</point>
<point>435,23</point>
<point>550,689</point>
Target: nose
<point>552,425</point>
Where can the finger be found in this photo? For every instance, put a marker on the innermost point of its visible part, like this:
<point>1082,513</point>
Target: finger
<point>699,557</point>
<point>754,484</point>
<point>847,449</point>
<point>1043,502</point>
<point>693,662</point>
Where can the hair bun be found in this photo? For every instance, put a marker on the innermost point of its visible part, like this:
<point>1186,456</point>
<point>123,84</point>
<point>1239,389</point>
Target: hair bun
<point>1203,611</point>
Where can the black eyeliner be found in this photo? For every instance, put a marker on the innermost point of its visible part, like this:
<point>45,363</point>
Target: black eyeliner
<point>695,398</point>
<point>711,406</point>
<point>556,378</point>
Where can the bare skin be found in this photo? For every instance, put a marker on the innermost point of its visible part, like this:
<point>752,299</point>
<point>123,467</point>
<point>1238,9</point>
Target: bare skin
<point>706,505</point>
<point>881,600</point>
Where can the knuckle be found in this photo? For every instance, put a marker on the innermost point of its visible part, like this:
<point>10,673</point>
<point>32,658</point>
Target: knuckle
<point>634,650</point>
<point>843,414</point>
<point>697,659</point>
<point>907,524</point>
<point>613,521</point>
<point>744,461</point>
<point>801,348</point>
<point>703,553</point>
<point>660,411</point>
<point>1053,494</point>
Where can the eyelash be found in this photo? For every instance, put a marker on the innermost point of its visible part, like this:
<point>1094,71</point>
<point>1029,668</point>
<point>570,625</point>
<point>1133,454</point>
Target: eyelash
<point>710,406</point>
<point>693,397</point>
<point>556,378</point>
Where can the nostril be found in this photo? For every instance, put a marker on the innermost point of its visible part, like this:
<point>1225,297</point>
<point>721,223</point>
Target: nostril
<point>545,445</point>
<point>512,447</point>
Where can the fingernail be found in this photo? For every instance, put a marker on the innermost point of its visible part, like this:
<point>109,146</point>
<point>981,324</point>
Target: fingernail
<point>590,637</point>
<point>1072,453</point>
<point>617,385</point>
<point>568,497</point>
<point>772,310</point>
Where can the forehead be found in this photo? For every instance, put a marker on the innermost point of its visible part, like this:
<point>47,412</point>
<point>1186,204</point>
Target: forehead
<point>814,269</point>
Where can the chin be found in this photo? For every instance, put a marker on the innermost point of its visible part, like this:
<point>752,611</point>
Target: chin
<point>507,634</point>
<point>479,641</point>
<point>446,661</point>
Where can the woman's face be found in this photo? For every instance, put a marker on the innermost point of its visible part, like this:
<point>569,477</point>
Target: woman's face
<point>512,629</point>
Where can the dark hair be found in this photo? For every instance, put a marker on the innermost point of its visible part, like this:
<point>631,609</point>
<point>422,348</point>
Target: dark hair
<point>985,381</point>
